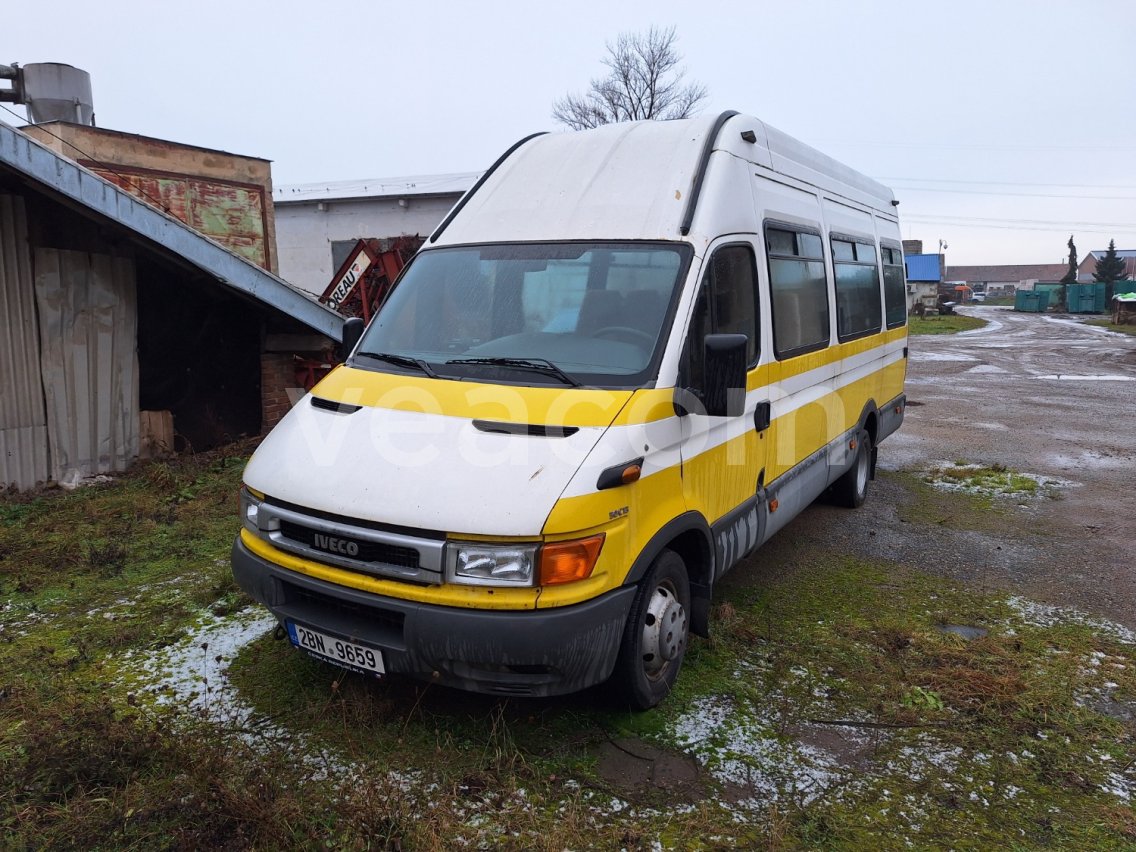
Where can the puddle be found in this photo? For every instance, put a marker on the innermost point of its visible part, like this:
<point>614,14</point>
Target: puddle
<point>634,768</point>
<point>964,630</point>
<point>986,368</point>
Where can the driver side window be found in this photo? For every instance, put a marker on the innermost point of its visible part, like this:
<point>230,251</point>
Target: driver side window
<point>727,304</point>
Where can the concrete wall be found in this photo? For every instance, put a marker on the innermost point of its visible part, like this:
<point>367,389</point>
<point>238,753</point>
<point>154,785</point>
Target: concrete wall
<point>304,232</point>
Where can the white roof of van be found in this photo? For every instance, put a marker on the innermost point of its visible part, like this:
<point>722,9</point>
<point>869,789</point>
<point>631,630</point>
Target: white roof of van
<point>633,180</point>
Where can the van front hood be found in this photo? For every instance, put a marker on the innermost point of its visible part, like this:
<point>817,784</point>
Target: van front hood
<point>423,470</point>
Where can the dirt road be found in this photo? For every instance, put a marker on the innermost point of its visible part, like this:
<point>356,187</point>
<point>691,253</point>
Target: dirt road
<point>1038,394</point>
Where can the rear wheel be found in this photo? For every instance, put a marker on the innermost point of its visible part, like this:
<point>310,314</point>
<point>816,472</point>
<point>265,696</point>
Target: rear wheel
<point>656,633</point>
<point>851,489</point>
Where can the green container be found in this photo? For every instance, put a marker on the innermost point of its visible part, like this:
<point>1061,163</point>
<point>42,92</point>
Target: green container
<point>1051,289</point>
<point>1030,302</point>
<point>1085,298</point>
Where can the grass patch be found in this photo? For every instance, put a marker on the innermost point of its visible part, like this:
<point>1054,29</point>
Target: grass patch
<point>830,709</point>
<point>995,480</point>
<point>949,324</point>
<point>1111,326</point>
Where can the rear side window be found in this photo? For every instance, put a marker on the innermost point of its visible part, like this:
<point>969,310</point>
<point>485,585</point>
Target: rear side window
<point>727,304</point>
<point>799,290</point>
<point>857,273</point>
<point>895,289</point>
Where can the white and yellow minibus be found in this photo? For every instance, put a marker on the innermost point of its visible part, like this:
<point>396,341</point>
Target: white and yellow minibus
<point>626,358</point>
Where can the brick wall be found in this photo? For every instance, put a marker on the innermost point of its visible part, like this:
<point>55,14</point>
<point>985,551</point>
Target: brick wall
<point>277,378</point>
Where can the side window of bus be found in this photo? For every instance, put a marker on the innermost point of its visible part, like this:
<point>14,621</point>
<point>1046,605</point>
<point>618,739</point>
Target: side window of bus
<point>895,291</point>
<point>857,288</point>
<point>799,289</point>
<point>727,304</point>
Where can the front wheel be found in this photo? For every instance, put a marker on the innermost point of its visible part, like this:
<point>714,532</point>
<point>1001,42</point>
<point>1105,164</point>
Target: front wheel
<point>655,636</point>
<point>851,489</point>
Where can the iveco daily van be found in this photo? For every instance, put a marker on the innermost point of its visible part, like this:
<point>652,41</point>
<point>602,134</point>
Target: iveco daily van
<point>626,358</point>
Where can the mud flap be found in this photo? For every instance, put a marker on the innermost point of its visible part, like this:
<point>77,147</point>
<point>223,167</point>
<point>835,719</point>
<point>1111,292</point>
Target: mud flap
<point>700,610</point>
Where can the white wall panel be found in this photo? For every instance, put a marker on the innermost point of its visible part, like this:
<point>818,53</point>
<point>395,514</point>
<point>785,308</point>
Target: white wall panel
<point>23,427</point>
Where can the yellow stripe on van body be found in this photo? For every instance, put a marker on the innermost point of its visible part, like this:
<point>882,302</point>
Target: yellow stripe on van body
<point>793,437</point>
<point>544,406</point>
<point>449,594</point>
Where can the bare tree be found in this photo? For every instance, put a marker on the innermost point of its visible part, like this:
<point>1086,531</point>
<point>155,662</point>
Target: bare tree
<point>644,80</point>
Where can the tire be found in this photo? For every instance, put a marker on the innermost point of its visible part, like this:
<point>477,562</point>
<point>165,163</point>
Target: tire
<point>851,489</point>
<point>655,636</point>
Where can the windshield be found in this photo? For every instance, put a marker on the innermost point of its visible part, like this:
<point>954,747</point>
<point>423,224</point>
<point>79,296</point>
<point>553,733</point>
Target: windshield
<point>555,313</point>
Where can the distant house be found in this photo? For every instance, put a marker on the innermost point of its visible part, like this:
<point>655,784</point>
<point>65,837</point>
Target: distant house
<point>1006,279</point>
<point>317,224</point>
<point>924,274</point>
<point>1089,264</point>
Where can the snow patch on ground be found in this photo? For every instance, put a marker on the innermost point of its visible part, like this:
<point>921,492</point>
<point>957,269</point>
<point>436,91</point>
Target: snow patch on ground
<point>193,675</point>
<point>940,356</point>
<point>1046,615</point>
<point>744,751</point>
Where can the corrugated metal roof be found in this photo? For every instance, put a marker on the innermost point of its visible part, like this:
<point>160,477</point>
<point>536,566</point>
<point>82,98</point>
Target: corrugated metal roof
<point>922,267</point>
<point>451,184</point>
<point>34,161</point>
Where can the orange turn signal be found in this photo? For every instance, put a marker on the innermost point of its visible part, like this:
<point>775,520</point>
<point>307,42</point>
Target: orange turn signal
<point>568,561</point>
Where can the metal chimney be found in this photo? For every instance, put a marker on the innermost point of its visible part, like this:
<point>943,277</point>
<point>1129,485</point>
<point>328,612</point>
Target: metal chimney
<point>52,91</point>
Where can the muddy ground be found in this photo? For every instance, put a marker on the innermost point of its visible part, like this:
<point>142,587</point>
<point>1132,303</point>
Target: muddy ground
<point>1040,394</point>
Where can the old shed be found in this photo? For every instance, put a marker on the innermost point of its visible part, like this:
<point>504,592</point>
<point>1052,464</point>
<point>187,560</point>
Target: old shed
<point>111,307</point>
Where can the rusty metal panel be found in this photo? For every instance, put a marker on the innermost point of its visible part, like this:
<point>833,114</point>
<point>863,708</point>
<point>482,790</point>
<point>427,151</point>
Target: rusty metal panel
<point>232,214</point>
<point>23,426</point>
<point>88,321</point>
<point>35,162</point>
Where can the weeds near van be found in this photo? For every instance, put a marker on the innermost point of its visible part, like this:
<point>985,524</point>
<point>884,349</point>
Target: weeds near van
<point>840,703</point>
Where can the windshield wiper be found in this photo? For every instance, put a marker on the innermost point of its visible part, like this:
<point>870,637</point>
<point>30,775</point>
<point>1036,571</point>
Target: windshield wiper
<point>539,365</point>
<point>400,360</point>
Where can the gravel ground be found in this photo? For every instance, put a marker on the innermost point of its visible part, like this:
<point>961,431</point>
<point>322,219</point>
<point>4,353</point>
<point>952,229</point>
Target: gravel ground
<point>1039,394</point>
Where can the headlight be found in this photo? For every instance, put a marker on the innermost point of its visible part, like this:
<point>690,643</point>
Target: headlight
<point>250,511</point>
<point>490,565</point>
<point>522,564</point>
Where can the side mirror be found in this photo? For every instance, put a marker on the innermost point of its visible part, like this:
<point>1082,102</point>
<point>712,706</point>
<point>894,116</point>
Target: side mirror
<point>724,375</point>
<point>352,331</point>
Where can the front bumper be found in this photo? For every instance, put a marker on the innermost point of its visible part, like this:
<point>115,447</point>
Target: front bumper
<point>515,652</point>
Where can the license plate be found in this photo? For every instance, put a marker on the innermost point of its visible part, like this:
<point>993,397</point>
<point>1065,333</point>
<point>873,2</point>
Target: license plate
<point>333,649</point>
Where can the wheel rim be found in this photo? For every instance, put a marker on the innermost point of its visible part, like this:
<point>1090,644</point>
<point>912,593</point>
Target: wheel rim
<point>862,471</point>
<point>664,631</point>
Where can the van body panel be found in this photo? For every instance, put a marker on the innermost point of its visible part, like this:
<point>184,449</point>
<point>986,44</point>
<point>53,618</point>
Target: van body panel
<point>623,181</point>
<point>548,405</point>
<point>417,469</point>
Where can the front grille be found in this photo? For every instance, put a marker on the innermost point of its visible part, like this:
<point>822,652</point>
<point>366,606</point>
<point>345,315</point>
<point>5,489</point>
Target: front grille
<point>369,551</point>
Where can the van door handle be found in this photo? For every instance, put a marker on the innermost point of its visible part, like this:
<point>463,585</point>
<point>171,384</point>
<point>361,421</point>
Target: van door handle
<point>761,416</point>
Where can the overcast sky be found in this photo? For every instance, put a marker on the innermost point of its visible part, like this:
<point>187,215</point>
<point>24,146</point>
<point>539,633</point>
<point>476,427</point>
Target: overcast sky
<point>1002,125</point>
